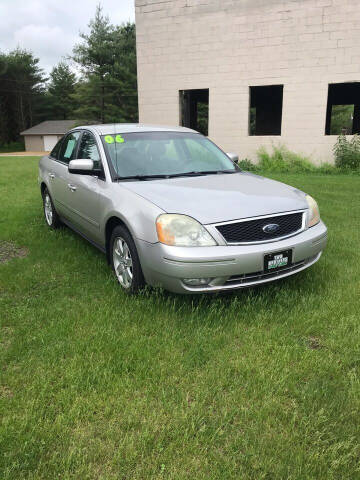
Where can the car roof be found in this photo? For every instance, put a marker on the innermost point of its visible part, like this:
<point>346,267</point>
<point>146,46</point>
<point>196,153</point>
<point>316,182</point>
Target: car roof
<point>111,128</point>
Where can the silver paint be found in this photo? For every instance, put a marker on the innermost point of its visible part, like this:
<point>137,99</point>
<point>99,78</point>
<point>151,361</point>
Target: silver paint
<point>211,200</point>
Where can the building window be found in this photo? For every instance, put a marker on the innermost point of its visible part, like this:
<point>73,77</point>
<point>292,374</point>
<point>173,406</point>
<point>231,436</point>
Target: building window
<point>194,109</point>
<point>343,109</point>
<point>265,110</point>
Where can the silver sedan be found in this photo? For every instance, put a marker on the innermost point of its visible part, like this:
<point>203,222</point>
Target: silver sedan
<point>169,208</point>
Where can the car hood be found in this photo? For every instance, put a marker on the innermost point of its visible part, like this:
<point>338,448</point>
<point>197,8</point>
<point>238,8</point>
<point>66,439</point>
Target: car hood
<point>219,198</point>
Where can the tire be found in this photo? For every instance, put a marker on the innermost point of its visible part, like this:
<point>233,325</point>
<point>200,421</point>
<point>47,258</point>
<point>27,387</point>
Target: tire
<point>125,261</point>
<point>51,217</point>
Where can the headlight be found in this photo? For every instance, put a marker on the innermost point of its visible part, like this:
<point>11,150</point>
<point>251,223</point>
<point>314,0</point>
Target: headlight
<point>314,214</point>
<point>182,231</point>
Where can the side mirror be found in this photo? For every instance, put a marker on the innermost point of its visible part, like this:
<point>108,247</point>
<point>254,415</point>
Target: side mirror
<point>233,156</point>
<point>81,167</point>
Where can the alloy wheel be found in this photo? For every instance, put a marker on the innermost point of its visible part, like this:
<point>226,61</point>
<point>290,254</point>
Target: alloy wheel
<point>48,210</point>
<point>123,263</point>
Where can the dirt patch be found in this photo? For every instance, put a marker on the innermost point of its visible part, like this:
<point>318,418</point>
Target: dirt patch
<point>5,391</point>
<point>23,154</point>
<point>5,336</point>
<point>314,343</point>
<point>9,250</point>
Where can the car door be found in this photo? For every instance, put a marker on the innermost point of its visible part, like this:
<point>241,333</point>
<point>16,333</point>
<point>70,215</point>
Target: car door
<point>84,201</point>
<point>58,173</point>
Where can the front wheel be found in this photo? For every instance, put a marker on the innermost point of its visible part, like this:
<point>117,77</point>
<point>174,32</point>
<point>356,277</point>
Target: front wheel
<point>125,260</point>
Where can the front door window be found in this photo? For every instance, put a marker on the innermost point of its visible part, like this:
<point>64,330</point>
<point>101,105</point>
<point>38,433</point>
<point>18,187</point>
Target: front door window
<point>88,149</point>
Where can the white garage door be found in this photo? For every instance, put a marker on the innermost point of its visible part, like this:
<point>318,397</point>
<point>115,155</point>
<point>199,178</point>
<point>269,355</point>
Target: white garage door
<point>50,142</point>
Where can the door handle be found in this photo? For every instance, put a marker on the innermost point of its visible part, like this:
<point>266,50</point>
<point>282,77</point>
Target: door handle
<point>72,187</point>
<point>51,176</point>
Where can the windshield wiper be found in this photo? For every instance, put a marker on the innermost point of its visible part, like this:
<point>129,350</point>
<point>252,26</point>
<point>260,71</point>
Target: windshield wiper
<point>201,172</point>
<point>139,177</point>
<point>173,175</point>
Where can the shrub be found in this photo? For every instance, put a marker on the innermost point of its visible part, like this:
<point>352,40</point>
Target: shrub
<point>347,153</point>
<point>12,147</point>
<point>327,168</point>
<point>283,160</point>
<point>247,165</point>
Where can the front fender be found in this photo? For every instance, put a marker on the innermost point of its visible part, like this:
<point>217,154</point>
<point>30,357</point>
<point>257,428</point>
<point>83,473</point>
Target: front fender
<point>138,214</point>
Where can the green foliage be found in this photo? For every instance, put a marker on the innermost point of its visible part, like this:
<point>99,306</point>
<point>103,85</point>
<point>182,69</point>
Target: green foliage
<point>12,147</point>
<point>347,153</point>
<point>21,93</point>
<point>283,160</point>
<point>203,118</point>
<point>106,92</point>
<point>247,165</point>
<point>341,119</point>
<point>107,59</point>
<point>258,384</point>
<point>61,89</point>
<point>347,159</point>
<point>124,76</point>
<point>252,121</point>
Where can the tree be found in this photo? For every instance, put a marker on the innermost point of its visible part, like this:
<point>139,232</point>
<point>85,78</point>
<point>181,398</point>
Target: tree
<point>107,58</point>
<point>124,74</point>
<point>21,90</point>
<point>96,54</point>
<point>61,89</point>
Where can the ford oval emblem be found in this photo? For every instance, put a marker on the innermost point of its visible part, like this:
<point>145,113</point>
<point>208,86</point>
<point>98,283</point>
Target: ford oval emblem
<point>271,228</point>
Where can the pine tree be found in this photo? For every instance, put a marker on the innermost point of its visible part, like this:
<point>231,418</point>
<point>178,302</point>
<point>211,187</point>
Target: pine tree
<point>107,59</point>
<point>61,89</point>
<point>21,90</point>
<point>95,57</point>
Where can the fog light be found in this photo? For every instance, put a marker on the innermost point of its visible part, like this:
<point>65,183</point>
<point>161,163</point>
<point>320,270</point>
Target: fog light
<point>196,282</point>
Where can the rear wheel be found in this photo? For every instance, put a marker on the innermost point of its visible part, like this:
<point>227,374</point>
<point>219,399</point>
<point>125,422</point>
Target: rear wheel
<point>125,260</point>
<point>51,217</point>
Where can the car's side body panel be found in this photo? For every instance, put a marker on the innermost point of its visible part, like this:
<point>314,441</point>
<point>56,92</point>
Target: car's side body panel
<point>135,212</point>
<point>97,201</point>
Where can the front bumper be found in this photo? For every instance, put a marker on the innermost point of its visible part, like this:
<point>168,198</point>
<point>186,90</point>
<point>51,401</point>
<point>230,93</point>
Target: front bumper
<point>229,267</point>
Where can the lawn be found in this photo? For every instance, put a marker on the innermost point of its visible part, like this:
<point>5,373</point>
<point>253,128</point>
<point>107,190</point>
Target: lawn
<point>257,384</point>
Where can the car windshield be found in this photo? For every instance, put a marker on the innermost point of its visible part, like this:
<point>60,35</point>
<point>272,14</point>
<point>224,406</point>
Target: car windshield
<point>164,154</point>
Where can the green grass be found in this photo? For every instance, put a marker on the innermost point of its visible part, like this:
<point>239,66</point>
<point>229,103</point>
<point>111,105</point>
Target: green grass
<point>257,384</point>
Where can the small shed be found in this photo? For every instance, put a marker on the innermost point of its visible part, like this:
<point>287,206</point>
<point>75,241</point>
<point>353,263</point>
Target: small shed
<point>44,136</point>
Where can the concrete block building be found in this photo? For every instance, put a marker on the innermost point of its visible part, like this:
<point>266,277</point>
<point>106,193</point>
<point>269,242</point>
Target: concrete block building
<point>252,73</point>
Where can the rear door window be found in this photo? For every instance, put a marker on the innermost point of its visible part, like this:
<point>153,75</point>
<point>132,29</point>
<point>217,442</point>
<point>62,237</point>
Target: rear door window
<point>68,147</point>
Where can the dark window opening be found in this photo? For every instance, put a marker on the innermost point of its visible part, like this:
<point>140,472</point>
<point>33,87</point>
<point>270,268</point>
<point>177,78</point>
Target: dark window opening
<point>194,110</point>
<point>343,109</point>
<point>265,110</point>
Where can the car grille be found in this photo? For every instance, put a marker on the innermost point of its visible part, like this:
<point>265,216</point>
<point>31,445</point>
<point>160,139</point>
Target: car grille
<point>249,231</point>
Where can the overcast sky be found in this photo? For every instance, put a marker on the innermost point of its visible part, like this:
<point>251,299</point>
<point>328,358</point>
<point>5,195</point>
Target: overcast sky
<point>50,28</point>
